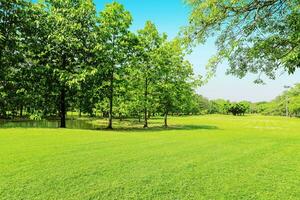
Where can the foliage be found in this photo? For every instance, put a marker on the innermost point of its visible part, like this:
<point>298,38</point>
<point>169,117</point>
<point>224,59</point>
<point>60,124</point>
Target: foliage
<point>16,22</point>
<point>146,64</point>
<point>36,116</point>
<point>115,38</point>
<point>58,56</point>
<point>219,106</point>
<point>287,102</point>
<point>257,37</point>
<point>174,78</point>
<point>238,108</point>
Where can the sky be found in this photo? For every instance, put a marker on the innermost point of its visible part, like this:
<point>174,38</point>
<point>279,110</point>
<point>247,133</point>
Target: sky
<point>169,16</point>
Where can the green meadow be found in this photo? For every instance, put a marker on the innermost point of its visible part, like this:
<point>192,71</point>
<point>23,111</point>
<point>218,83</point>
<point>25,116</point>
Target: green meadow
<point>199,157</point>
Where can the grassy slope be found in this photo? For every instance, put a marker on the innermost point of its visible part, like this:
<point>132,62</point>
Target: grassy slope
<point>214,157</point>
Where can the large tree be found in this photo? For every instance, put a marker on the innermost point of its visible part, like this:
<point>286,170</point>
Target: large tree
<point>13,22</point>
<point>64,57</point>
<point>18,27</point>
<point>260,37</point>
<point>114,22</point>
<point>174,78</point>
<point>149,42</point>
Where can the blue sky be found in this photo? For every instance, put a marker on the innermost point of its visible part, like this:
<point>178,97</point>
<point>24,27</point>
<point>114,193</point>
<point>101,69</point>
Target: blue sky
<point>169,16</point>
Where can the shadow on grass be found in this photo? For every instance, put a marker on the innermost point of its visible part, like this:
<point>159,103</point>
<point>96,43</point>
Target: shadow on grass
<point>99,124</point>
<point>160,128</point>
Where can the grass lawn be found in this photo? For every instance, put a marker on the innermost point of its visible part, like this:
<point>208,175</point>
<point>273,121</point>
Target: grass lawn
<point>205,157</point>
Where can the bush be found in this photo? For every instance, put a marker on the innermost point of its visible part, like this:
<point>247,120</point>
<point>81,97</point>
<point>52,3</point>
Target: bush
<point>238,108</point>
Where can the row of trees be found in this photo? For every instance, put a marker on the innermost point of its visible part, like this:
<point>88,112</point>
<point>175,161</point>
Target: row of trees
<point>221,106</point>
<point>60,55</point>
<point>288,103</point>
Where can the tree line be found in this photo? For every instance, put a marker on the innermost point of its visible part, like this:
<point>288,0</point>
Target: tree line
<point>221,106</point>
<point>61,55</point>
<point>286,104</point>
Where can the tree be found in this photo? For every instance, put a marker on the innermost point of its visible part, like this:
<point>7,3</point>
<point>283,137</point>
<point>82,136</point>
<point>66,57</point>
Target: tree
<point>58,56</point>
<point>194,104</point>
<point>238,108</point>
<point>114,23</point>
<point>14,19</point>
<point>19,25</point>
<point>287,100</point>
<point>149,42</point>
<point>256,36</point>
<point>64,52</point>
<point>293,97</point>
<point>174,78</point>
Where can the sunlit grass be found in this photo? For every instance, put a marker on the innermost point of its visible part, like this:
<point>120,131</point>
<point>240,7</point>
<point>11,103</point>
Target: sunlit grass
<point>205,157</point>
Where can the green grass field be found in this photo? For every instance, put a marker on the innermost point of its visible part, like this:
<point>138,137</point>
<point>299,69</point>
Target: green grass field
<point>205,157</point>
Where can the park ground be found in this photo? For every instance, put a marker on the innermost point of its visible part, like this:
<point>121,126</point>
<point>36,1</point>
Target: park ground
<point>198,157</point>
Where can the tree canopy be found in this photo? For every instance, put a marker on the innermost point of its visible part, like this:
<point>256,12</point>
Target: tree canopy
<point>260,37</point>
<point>58,56</point>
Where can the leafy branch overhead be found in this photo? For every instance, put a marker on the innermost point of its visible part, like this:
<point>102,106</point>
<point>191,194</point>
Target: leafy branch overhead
<point>260,37</point>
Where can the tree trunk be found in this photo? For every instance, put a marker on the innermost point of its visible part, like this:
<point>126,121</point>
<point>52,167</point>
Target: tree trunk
<point>63,107</point>
<point>146,104</point>
<point>111,101</point>
<point>166,119</point>
<point>145,118</point>
<point>21,111</point>
<point>111,95</point>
